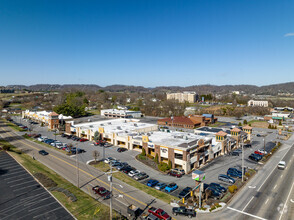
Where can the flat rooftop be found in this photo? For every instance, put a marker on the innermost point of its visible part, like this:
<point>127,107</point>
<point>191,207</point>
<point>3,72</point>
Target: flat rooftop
<point>213,130</point>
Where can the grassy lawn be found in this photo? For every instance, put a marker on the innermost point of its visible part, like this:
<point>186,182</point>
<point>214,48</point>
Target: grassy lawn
<point>125,178</point>
<point>217,124</point>
<point>258,124</point>
<point>85,207</point>
<point>94,112</point>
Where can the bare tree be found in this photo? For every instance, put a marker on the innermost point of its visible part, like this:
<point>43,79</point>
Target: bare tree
<point>95,154</point>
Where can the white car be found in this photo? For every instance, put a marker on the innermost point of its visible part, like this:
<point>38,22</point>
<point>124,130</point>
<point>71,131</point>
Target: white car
<point>133,173</point>
<point>181,171</point>
<point>42,138</point>
<point>282,165</point>
<point>108,159</point>
<point>262,151</point>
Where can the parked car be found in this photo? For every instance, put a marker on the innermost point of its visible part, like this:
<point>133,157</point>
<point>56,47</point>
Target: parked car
<point>161,214</point>
<point>152,182</point>
<point>220,187</point>
<point>233,173</point>
<point>235,153</point>
<point>115,163</point>
<point>282,165</point>
<point>48,141</point>
<point>254,157</point>
<point>216,194</point>
<point>83,139</point>
<point>262,151</point>
<point>101,191</point>
<point>134,212</point>
<point>184,211</point>
<point>225,178</point>
<point>122,165</point>
<point>258,152</point>
<point>128,169</point>
<point>141,176</point>
<point>108,159</point>
<point>171,187</point>
<point>69,137</point>
<point>121,149</point>
<point>133,173</point>
<point>248,145</point>
<point>43,152</point>
<point>174,173</point>
<point>42,138</point>
<point>160,186</point>
<point>55,143</point>
<point>181,171</point>
<point>184,192</point>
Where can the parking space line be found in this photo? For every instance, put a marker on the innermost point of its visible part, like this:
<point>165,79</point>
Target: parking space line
<point>14,173</point>
<point>275,186</point>
<point>34,196</point>
<point>21,183</point>
<point>37,216</point>
<point>15,176</point>
<point>18,180</point>
<point>266,200</point>
<point>10,166</point>
<point>31,210</point>
<point>1,164</point>
<point>27,187</point>
<point>28,204</point>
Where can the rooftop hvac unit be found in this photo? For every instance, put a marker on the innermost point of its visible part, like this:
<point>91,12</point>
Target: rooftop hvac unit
<point>119,128</point>
<point>91,126</point>
<point>109,123</point>
<point>148,134</point>
<point>102,124</point>
<point>135,125</point>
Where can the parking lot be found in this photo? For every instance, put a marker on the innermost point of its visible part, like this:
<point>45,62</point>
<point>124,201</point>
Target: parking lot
<point>218,166</point>
<point>22,197</point>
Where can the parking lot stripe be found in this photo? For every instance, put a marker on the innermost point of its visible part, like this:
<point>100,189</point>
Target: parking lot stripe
<point>22,183</point>
<point>1,164</point>
<point>247,204</point>
<point>9,174</point>
<point>9,167</point>
<point>26,187</point>
<point>39,200</point>
<point>37,216</point>
<point>18,180</point>
<point>34,196</point>
<point>15,176</point>
<point>31,210</point>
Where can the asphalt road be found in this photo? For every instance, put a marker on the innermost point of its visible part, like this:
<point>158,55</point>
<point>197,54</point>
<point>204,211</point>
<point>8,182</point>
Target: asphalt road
<point>22,197</point>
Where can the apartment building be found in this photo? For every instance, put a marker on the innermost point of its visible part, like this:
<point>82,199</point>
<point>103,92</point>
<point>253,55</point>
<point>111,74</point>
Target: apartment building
<point>182,97</point>
<point>254,103</point>
<point>122,113</point>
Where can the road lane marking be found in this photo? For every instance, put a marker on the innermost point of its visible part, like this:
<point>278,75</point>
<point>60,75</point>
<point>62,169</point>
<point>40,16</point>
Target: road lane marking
<point>282,175</point>
<point>286,201</point>
<point>247,204</point>
<point>245,213</point>
<point>275,186</point>
<point>273,169</point>
<point>266,200</point>
<point>291,200</point>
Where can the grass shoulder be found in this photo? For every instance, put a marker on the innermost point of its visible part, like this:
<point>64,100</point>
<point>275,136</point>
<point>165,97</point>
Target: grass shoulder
<point>13,126</point>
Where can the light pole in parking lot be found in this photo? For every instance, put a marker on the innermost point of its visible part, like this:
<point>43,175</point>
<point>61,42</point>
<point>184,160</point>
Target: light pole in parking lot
<point>264,146</point>
<point>242,144</point>
<point>77,165</point>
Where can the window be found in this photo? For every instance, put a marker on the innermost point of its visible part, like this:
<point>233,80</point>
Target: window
<point>179,156</point>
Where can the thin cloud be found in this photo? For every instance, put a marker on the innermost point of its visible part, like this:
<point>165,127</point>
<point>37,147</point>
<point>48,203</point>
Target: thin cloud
<point>289,35</point>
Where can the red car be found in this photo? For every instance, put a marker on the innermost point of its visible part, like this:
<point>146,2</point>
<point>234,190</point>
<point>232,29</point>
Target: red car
<point>159,213</point>
<point>83,139</point>
<point>257,152</point>
<point>176,174</point>
<point>101,191</point>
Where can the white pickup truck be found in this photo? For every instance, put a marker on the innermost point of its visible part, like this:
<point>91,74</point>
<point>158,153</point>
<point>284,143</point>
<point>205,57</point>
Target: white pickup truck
<point>282,165</point>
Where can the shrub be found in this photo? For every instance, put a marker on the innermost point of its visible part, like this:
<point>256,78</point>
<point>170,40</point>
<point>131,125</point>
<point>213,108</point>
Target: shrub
<point>240,124</point>
<point>269,126</point>
<point>170,165</point>
<point>247,174</point>
<point>245,122</point>
<point>202,208</point>
<point>143,152</point>
<point>232,188</point>
<point>6,147</point>
<point>156,158</point>
<point>150,156</point>
<point>141,157</point>
<point>163,167</point>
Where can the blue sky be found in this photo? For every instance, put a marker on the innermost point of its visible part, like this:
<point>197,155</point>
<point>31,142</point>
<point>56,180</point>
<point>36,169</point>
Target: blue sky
<point>146,42</point>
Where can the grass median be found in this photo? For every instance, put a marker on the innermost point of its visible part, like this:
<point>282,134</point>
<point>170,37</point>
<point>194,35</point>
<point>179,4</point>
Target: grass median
<point>85,207</point>
<point>130,181</point>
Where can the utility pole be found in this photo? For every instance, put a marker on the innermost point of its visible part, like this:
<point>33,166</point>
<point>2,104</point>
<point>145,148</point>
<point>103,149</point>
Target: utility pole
<point>264,146</point>
<point>110,179</point>
<point>242,161</point>
<point>77,165</point>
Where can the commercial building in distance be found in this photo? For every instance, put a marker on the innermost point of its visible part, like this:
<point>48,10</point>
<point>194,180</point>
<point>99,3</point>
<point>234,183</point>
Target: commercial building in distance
<point>183,97</point>
<point>115,113</point>
<point>190,122</point>
<point>49,118</point>
<point>254,103</point>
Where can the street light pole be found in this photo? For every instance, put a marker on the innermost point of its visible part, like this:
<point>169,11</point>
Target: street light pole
<point>110,179</point>
<point>77,165</point>
<point>264,146</point>
<point>242,161</point>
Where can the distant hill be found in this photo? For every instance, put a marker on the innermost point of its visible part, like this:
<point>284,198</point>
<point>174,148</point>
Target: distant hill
<point>201,89</point>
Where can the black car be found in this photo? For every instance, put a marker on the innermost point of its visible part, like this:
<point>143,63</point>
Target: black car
<point>44,153</point>
<point>69,137</point>
<point>184,211</point>
<point>221,188</point>
<point>184,192</point>
<point>121,149</point>
<point>235,153</point>
<point>247,145</point>
<point>127,169</point>
<point>254,157</point>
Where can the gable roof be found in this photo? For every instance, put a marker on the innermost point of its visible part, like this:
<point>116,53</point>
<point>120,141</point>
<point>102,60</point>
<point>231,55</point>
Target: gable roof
<point>221,133</point>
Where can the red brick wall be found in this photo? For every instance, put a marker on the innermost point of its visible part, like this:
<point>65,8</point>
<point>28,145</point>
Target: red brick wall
<point>157,151</point>
<point>171,156</point>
